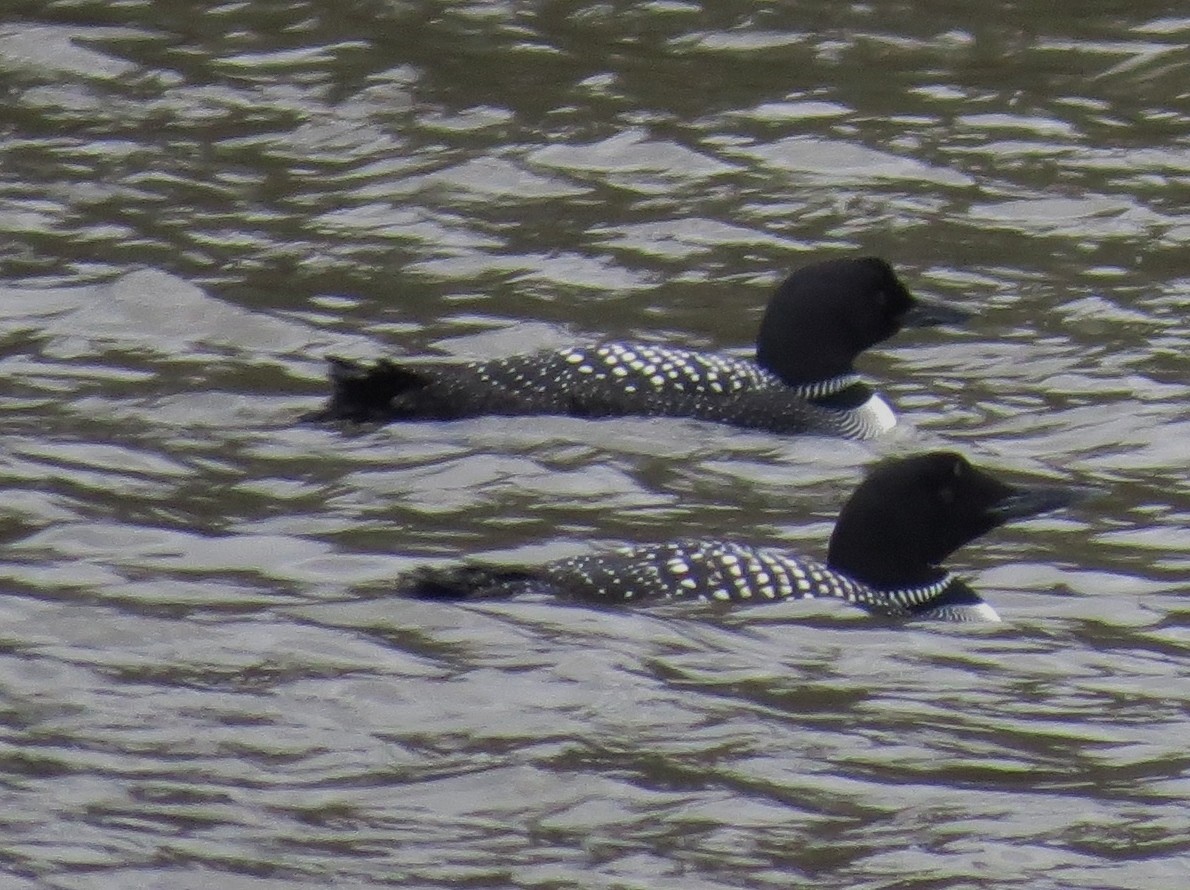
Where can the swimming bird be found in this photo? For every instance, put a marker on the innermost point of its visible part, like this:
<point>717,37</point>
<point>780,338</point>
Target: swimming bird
<point>803,378</point>
<point>885,554</point>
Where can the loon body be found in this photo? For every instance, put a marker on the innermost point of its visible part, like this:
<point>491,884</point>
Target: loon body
<point>802,379</point>
<point>885,553</point>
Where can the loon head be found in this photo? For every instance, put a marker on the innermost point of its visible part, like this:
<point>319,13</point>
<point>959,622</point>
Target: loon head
<point>824,315</point>
<point>911,513</point>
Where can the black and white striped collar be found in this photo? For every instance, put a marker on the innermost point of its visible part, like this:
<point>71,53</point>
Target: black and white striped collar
<point>947,599</point>
<point>824,389</point>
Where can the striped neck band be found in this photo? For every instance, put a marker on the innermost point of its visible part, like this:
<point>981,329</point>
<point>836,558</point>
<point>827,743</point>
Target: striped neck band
<point>911,597</point>
<point>821,389</point>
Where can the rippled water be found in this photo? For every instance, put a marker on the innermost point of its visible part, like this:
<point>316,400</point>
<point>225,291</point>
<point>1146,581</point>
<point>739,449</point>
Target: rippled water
<point>203,679</point>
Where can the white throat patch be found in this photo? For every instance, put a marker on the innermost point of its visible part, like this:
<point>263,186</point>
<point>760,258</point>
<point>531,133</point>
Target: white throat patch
<point>876,416</point>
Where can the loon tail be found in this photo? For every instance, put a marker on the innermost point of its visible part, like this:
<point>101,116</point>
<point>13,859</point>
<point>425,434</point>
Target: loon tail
<point>470,582</point>
<point>361,393</point>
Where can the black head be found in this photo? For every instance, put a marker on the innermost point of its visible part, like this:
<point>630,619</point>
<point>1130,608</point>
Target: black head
<point>911,513</point>
<point>823,316</point>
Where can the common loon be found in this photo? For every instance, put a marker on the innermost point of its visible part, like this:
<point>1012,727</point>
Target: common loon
<point>884,556</point>
<point>802,380</point>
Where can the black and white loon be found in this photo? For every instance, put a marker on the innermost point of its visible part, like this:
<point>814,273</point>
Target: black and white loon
<point>802,380</point>
<point>885,554</point>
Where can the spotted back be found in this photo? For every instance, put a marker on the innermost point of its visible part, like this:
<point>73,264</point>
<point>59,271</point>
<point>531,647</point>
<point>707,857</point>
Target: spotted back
<point>706,570</point>
<point>617,378</point>
<point>644,367</point>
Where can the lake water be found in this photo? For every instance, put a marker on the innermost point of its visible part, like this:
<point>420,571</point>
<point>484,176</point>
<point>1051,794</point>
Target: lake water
<point>204,678</point>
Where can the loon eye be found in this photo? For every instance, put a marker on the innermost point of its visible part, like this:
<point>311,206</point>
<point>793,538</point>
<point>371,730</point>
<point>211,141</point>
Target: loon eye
<point>946,495</point>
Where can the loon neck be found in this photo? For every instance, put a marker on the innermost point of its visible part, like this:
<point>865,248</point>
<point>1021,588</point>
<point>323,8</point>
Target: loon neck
<point>802,368</point>
<point>884,557</point>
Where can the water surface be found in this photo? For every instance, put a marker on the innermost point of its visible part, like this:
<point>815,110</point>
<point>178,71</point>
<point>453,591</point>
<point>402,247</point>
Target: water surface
<point>203,678</point>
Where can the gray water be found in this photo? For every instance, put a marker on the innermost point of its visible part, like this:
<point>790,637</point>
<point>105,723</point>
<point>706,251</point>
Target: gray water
<point>204,679</point>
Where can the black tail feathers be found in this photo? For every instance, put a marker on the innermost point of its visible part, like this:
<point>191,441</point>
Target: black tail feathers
<point>470,582</point>
<point>363,394</point>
